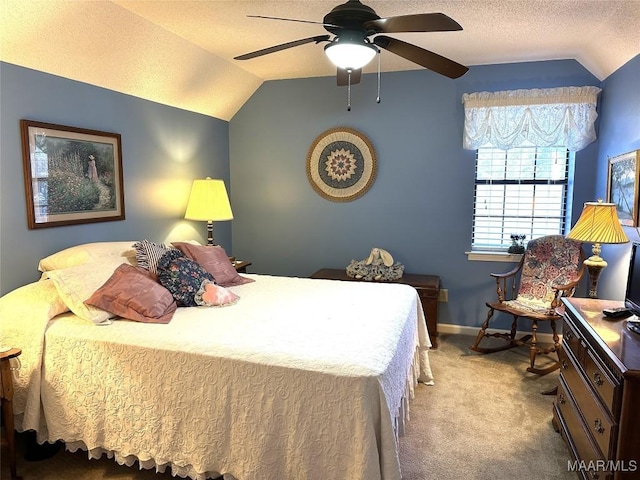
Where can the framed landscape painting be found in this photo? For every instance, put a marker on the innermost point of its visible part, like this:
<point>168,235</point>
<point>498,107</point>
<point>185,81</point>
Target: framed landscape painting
<point>72,175</point>
<point>622,186</point>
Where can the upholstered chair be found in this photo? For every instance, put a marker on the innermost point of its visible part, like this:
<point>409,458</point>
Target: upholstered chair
<point>551,267</point>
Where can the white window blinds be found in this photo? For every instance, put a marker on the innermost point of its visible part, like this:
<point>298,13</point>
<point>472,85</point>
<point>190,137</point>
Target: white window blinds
<point>519,191</point>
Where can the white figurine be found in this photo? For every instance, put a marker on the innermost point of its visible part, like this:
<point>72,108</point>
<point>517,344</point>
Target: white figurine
<point>378,266</point>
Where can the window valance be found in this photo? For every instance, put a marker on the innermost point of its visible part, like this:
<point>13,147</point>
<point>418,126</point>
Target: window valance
<point>562,116</point>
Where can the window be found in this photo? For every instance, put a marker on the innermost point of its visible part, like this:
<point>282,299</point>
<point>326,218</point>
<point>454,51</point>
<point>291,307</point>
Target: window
<point>522,190</point>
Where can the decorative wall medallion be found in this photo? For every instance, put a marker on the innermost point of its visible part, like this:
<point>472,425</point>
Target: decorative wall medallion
<point>341,164</point>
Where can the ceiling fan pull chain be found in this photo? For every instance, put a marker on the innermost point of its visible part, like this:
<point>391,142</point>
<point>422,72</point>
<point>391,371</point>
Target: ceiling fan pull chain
<point>378,98</point>
<point>348,90</point>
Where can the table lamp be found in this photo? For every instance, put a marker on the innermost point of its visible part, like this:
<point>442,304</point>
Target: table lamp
<point>597,224</point>
<point>209,203</point>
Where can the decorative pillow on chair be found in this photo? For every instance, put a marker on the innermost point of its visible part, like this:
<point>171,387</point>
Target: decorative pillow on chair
<point>214,260</point>
<point>181,276</point>
<point>132,293</point>
<point>212,295</point>
<point>149,253</point>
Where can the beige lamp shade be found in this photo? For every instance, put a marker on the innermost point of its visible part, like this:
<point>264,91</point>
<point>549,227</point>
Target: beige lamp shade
<point>208,201</point>
<point>598,223</point>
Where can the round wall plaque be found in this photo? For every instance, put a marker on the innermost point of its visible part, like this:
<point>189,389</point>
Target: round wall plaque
<point>341,164</point>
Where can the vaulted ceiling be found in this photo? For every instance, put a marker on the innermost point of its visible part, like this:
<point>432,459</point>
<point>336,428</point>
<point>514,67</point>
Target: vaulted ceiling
<point>180,52</point>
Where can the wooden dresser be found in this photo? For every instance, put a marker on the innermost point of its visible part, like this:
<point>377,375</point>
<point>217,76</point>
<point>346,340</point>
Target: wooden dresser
<point>427,286</point>
<point>597,407</point>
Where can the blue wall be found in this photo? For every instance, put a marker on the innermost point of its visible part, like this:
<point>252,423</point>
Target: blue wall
<point>419,207</point>
<point>421,204</point>
<point>619,133</point>
<point>163,150</point>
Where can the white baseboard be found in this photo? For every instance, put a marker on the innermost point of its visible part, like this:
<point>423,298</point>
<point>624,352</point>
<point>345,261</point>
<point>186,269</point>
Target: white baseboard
<point>473,331</point>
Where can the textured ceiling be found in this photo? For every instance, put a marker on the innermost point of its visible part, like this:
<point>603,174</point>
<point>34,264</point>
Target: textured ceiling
<point>180,52</point>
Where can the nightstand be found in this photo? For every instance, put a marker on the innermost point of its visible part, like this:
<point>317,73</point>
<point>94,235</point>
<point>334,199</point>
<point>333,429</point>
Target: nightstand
<point>241,265</point>
<point>6,395</point>
<point>427,286</point>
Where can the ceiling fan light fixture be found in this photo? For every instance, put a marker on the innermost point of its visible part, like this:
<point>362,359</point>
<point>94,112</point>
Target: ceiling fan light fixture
<point>350,56</point>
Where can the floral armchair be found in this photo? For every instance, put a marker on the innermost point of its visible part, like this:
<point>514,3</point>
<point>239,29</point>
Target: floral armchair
<point>551,267</point>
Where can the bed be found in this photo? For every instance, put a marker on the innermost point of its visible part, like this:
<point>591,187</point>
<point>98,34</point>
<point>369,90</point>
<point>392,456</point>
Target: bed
<point>300,379</point>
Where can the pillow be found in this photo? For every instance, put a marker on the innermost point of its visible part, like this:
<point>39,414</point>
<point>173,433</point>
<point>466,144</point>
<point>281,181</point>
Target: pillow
<point>181,276</point>
<point>132,293</point>
<point>211,295</point>
<point>86,253</point>
<point>76,284</point>
<point>214,260</point>
<point>148,253</point>
<point>21,305</point>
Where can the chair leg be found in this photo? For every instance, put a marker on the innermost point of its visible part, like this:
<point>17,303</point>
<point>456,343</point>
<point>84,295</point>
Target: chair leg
<point>556,337</point>
<point>514,328</point>
<point>508,337</point>
<point>533,351</point>
<point>483,329</point>
<point>533,347</point>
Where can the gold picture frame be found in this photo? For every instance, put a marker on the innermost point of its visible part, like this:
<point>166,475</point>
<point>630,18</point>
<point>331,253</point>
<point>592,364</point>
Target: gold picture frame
<point>341,164</point>
<point>622,186</point>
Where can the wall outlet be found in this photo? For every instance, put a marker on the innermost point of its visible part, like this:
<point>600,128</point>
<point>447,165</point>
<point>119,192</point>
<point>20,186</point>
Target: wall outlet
<point>443,296</point>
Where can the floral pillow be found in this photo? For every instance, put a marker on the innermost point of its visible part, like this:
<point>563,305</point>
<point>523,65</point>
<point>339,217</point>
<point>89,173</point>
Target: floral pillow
<point>211,295</point>
<point>182,276</point>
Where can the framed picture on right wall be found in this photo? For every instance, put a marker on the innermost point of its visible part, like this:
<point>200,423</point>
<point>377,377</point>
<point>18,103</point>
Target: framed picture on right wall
<point>622,186</point>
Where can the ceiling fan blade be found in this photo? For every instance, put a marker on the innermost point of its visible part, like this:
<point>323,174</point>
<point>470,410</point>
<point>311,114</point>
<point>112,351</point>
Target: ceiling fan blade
<point>283,46</point>
<point>343,76</point>
<point>293,20</point>
<point>422,22</point>
<point>427,59</point>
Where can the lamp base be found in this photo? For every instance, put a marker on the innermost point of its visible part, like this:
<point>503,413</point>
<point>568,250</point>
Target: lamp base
<point>210,233</point>
<point>595,264</point>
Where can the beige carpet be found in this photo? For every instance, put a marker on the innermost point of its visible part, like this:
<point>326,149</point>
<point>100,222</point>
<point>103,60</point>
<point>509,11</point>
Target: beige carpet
<point>484,419</point>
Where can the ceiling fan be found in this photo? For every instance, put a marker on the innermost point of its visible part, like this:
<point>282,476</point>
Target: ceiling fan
<point>351,48</point>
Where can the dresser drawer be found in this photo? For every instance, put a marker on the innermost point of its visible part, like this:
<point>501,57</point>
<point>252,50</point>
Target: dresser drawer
<point>605,386</point>
<point>578,438</point>
<point>597,419</point>
<point>572,340</point>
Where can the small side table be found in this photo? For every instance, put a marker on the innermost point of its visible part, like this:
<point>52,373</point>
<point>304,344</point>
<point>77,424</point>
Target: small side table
<point>241,265</point>
<point>427,286</point>
<point>6,395</point>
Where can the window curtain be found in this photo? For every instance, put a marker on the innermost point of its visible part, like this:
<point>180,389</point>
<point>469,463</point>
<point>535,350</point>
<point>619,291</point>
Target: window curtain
<point>563,116</point>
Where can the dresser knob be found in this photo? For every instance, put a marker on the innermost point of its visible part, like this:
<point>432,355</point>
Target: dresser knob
<point>564,365</point>
<point>597,378</point>
<point>597,426</point>
<point>594,474</point>
<point>561,399</point>
<point>568,335</point>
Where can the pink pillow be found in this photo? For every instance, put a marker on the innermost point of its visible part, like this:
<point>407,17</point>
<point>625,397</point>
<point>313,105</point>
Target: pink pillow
<point>132,293</point>
<point>214,260</point>
<point>212,295</point>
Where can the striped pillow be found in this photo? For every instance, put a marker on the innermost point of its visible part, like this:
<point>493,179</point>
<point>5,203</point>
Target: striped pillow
<point>148,253</point>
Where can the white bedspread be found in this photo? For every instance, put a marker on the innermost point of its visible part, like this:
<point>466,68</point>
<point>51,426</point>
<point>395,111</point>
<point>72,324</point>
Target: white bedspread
<point>300,380</point>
